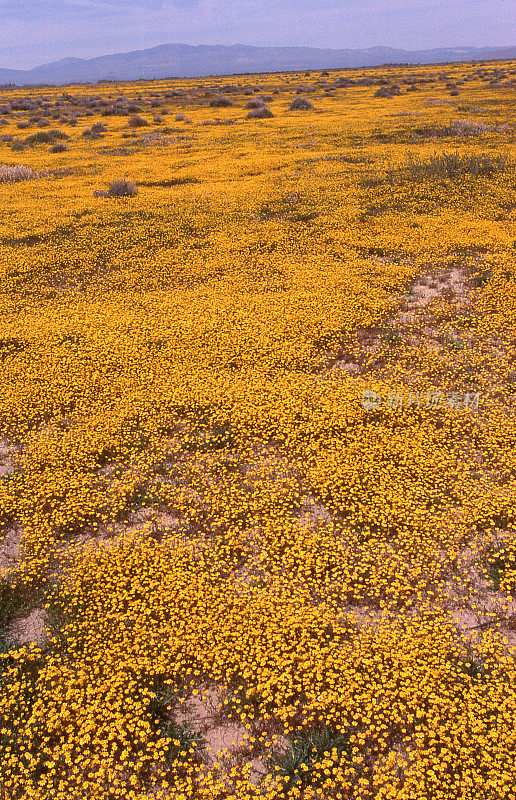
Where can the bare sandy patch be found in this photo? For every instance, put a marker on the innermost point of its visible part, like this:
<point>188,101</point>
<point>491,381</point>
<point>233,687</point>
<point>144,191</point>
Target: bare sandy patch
<point>31,628</point>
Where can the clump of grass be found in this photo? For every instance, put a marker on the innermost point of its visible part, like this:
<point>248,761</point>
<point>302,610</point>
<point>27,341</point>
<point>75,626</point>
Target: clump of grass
<point>300,104</point>
<point>16,172</point>
<point>455,345</point>
<point>480,279</point>
<point>471,667</point>
<point>500,567</point>
<point>12,601</point>
<point>451,166</point>
<point>298,764</point>
<point>6,609</point>
<point>392,336</point>
<point>183,739</point>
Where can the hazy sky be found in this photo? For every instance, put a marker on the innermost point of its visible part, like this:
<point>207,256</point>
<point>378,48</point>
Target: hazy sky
<point>33,32</point>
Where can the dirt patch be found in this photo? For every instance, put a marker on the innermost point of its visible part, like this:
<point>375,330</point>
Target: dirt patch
<point>31,628</point>
<point>6,458</point>
<point>10,548</point>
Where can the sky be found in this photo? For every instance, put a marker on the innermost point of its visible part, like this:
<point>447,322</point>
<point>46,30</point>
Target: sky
<point>34,32</point>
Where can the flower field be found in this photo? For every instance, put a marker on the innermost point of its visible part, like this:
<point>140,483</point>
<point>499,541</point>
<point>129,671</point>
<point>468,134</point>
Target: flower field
<point>258,437</point>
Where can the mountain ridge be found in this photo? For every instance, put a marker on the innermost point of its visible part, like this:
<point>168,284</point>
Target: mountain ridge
<point>187,61</point>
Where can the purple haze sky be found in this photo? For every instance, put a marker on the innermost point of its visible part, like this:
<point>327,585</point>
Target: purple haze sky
<point>33,32</point>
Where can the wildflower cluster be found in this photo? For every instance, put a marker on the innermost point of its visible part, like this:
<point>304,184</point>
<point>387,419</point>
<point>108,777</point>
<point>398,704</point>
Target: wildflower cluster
<point>257,454</point>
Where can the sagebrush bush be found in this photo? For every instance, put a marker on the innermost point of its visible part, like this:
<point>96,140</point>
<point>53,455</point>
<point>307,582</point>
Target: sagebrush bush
<point>16,172</point>
<point>300,104</point>
<point>122,188</point>
<point>388,91</point>
<point>460,127</point>
<point>135,121</point>
<point>221,102</point>
<point>261,112</point>
<point>46,137</point>
<point>451,166</point>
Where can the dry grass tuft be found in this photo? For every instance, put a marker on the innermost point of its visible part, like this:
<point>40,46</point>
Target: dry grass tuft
<point>300,104</point>
<point>16,172</point>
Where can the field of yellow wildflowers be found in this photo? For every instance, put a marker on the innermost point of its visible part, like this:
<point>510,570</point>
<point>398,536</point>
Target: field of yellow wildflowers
<point>258,437</point>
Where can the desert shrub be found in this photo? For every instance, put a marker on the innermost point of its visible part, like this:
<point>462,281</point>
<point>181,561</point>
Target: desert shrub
<point>388,91</point>
<point>122,188</point>
<point>179,118</point>
<point>221,102</point>
<point>16,172</point>
<point>300,104</point>
<point>255,104</point>
<point>451,166</point>
<point>262,112</point>
<point>461,127</point>
<point>88,133</point>
<point>59,148</point>
<point>135,121</point>
<point>46,137</point>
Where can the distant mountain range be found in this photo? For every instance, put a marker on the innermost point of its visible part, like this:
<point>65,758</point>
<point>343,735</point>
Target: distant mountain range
<point>182,60</point>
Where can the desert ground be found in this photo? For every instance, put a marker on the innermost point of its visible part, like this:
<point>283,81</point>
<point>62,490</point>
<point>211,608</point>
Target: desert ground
<point>258,437</point>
